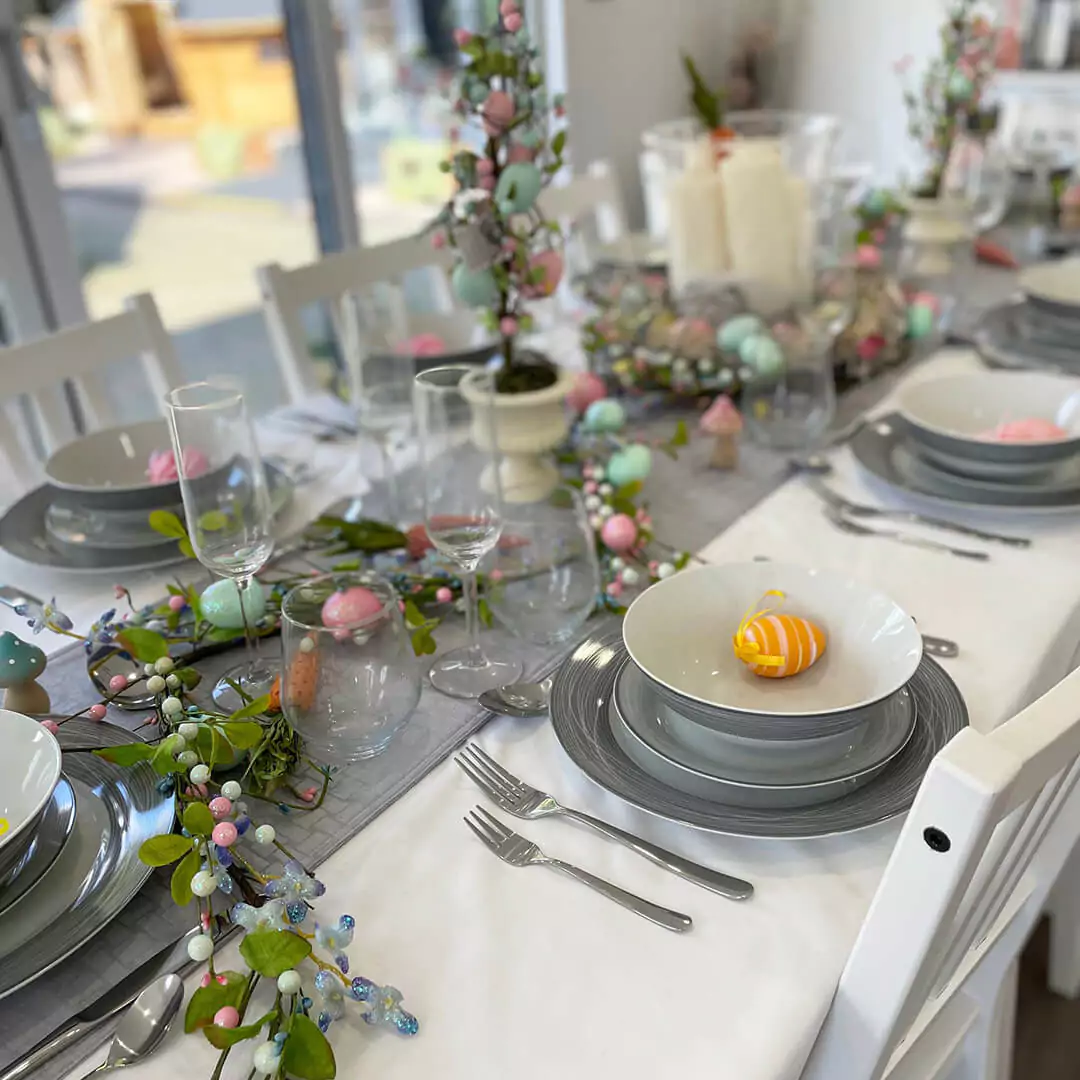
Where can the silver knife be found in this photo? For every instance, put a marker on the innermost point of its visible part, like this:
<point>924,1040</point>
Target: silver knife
<point>173,958</point>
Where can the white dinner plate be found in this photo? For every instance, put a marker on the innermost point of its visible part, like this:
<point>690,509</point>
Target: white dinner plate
<point>29,771</point>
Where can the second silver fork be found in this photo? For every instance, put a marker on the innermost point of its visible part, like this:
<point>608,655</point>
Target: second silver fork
<point>516,797</point>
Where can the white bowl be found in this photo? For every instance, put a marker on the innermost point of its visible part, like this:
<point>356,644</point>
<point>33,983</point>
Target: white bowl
<point>1053,284</point>
<point>29,770</point>
<point>679,632</point>
<point>953,414</point>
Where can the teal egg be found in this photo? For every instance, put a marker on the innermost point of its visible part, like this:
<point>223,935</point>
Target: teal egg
<point>736,330</point>
<point>474,288</point>
<point>605,415</point>
<point>920,321</point>
<point>221,604</point>
<point>960,87</point>
<point>478,92</point>
<point>519,186</point>
<point>529,137</point>
<point>875,203</point>
<point>762,354</point>
<point>630,464</point>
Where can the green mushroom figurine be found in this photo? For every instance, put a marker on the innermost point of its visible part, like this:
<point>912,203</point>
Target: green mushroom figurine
<point>20,665</point>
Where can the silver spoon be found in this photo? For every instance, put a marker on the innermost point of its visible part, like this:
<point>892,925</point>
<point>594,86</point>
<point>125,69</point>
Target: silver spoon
<point>144,1025</point>
<point>521,699</point>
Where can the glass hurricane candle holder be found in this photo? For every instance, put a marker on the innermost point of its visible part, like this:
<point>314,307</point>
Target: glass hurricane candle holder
<point>350,679</point>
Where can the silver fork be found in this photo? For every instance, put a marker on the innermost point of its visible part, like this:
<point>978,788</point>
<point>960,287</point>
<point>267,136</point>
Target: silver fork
<point>517,851</point>
<point>853,527</point>
<point>859,510</point>
<point>514,796</point>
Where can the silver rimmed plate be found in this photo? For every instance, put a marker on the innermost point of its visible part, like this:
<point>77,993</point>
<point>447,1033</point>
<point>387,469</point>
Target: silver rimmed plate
<point>883,450</point>
<point>579,715</point>
<point>98,872</point>
<point>760,763</point>
<point>1003,341</point>
<point>48,841</point>
<point>23,533</point>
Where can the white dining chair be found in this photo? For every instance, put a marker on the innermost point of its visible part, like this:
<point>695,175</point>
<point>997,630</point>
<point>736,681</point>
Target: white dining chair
<point>35,372</point>
<point>594,193</point>
<point>286,293</point>
<point>930,987</point>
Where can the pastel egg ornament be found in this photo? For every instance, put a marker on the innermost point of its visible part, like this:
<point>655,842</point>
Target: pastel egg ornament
<point>518,187</point>
<point>588,387</point>
<point>735,331</point>
<point>604,417</point>
<point>547,269</point>
<point>777,645</point>
<point>498,112</point>
<point>619,533</point>
<point>629,464</point>
<point>221,604</point>
<point>474,288</point>
<point>347,607</point>
<point>762,355</point>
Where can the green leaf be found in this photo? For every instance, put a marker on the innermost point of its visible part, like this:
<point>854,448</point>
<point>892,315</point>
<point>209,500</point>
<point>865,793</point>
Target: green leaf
<point>198,820</point>
<point>623,506</point>
<point>186,548</point>
<point>365,535</point>
<point>413,615</point>
<point>206,1000</point>
<point>164,763</point>
<point>558,144</point>
<point>245,735</point>
<point>212,746</point>
<point>483,609</point>
<point>474,47</point>
<point>162,850</point>
<point>422,642</point>
<point>629,491</point>
<point>707,104</point>
<point>186,869</point>
<point>270,952</point>
<point>307,1054</point>
<point>128,754</point>
<point>222,1038</point>
<point>168,524</point>
<point>252,708</point>
<point>213,521</point>
<point>346,565</point>
<point>188,676</point>
<point>681,436</point>
<point>145,645</point>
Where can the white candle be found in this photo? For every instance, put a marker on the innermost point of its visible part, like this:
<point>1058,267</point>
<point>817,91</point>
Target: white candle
<point>697,241</point>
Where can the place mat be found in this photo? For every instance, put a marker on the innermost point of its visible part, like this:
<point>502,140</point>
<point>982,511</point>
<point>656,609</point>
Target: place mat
<point>691,504</point>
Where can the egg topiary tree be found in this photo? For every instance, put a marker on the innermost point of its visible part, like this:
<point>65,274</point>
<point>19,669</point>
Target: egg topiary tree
<point>507,252</point>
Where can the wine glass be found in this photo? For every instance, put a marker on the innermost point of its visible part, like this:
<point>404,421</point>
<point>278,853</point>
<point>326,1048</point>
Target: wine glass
<point>544,574</point>
<point>374,328</point>
<point>459,462</point>
<point>227,507</point>
<point>350,679</point>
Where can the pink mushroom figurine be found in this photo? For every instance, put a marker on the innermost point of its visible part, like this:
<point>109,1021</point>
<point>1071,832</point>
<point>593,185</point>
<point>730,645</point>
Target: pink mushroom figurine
<point>723,422</point>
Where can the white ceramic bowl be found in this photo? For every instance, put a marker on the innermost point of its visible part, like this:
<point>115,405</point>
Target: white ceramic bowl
<point>953,414</point>
<point>1054,285</point>
<point>29,770</point>
<point>679,632</point>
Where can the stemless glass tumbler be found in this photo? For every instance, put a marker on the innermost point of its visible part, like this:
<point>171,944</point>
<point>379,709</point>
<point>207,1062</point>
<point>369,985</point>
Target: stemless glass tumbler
<point>350,679</point>
<point>463,511</point>
<point>227,508</point>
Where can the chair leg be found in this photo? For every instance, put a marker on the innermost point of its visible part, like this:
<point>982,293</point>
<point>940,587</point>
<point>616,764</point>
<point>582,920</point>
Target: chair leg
<point>989,1051</point>
<point>1064,910</point>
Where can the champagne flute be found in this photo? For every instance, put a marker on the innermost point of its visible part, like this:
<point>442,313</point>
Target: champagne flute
<point>459,464</point>
<point>227,507</point>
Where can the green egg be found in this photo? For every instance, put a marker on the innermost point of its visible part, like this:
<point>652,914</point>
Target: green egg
<point>221,604</point>
<point>519,185</point>
<point>630,464</point>
<point>762,354</point>
<point>920,321</point>
<point>736,330</point>
<point>605,415</point>
<point>474,288</point>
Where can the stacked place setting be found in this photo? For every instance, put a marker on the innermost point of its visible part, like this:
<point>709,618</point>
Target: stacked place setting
<point>758,699</point>
<point>991,440</point>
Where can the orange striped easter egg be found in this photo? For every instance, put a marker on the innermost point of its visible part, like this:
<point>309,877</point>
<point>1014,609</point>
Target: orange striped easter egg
<point>776,646</point>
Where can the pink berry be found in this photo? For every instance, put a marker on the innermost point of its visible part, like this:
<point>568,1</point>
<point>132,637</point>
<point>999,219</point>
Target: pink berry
<point>591,487</point>
<point>438,240</point>
<point>204,920</point>
<point>118,683</point>
<point>401,606</point>
<point>177,603</point>
<point>309,794</point>
<point>512,22</point>
<point>224,834</point>
<point>220,807</point>
<point>96,712</point>
<point>485,166</point>
<point>342,635</point>
<point>496,575</point>
<point>462,37</point>
<point>508,326</point>
<point>195,791</point>
<point>507,7</point>
<point>204,982</point>
<point>653,566</point>
<point>487,183</point>
<point>615,588</point>
<point>221,980</point>
<point>560,111</point>
<point>443,594</point>
<point>227,1017</point>
<point>51,726</point>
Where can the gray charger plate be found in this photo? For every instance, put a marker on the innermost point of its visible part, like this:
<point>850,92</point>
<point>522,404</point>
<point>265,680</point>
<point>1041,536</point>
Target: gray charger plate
<point>1003,343</point>
<point>23,533</point>
<point>131,809</point>
<point>759,763</point>
<point>45,845</point>
<point>882,449</point>
<point>579,717</point>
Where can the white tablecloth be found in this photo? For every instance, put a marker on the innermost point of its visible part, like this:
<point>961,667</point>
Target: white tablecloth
<point>524,973</point>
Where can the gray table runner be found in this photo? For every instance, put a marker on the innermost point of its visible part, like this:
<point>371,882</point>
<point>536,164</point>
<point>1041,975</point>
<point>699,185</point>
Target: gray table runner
<point>691,504</point>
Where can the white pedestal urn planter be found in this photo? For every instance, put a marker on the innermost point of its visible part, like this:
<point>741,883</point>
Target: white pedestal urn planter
<point>933,231</point>
<point>527,428</point>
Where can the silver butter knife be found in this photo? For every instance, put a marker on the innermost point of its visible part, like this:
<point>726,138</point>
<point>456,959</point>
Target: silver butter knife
<point>847,525</point>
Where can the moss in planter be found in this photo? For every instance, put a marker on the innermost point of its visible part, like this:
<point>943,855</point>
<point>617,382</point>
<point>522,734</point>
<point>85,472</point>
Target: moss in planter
<point>534,373</point>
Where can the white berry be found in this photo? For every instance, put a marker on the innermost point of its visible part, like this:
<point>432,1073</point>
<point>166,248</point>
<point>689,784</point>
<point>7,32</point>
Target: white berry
<point>188,758</point>
<point>617,564</point>
<point>606,511</point>
<point>188,730</point>
<point>630,577</point>
<point>266,1060</point>
<point>596,522</point>
<point>133,677</point>
<point>163,665</point>
<point>172,706</point>
<point>200,774</point>
<point>606,489</point>
<point>306,644</point>
<point>288,982</point>
<point>149,669</point>
<point>231,790</point>
<point>155,684</point>
<point>177,743</point>
<point>200,948</point>
<point>173,682</point>
<point>598,473</point>
<point>593,502</point>
<point>203,883</point>
<point>265,834</point>
<point>665,570</point>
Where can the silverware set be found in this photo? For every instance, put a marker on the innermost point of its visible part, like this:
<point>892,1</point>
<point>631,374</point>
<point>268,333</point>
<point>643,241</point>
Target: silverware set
<point>520,800</point>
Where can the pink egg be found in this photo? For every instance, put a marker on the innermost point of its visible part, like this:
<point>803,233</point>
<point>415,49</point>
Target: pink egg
<point>552,264</point>
<point>227,1017</point>
<point>512,22</point>
<point>220,807</point>
<point>619,533</point>
<point>498,111</point>
<point>867,257</point>
<point>96,712</point>
<point>118,683</point>
<point>519,153</point>
<point>588,387</point>
<point>350,606</point>
<point>224,834</point>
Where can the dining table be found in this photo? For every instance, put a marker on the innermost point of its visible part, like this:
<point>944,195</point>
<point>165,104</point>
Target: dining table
<point>525,974</point>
